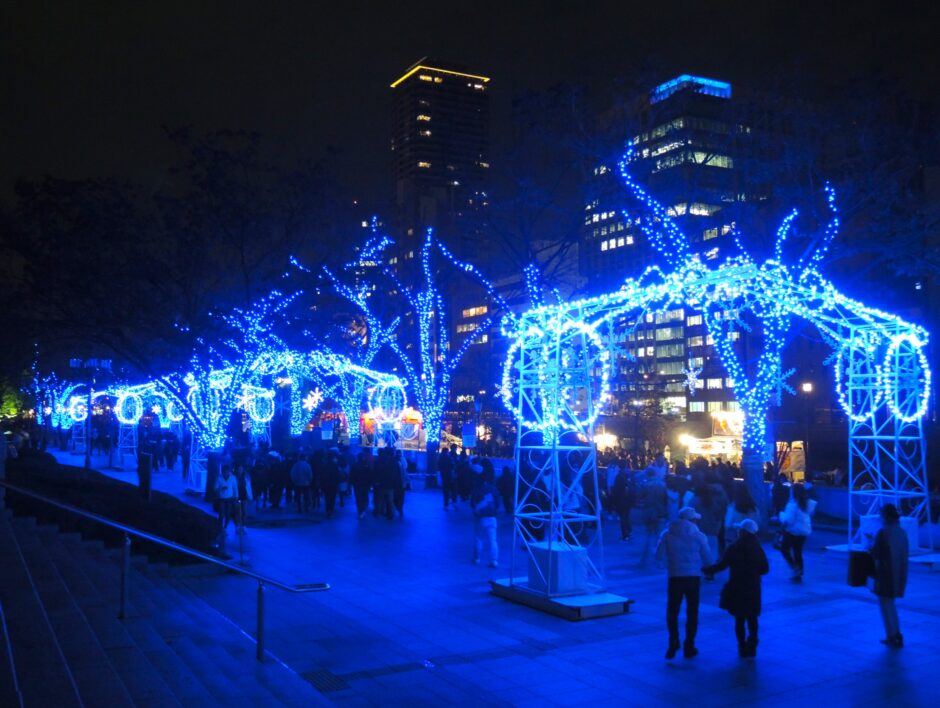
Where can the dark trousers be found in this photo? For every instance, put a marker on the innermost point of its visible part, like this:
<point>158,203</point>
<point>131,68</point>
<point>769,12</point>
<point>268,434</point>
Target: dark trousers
<point>329,498</point>
<point>751,634</point>
<point>302,497</point>
<point>400,500</point>
<point>362,499</point>
<point>687,587</point>
<point>792,550</point>
<point>626,526</point>
<point>450,490</point>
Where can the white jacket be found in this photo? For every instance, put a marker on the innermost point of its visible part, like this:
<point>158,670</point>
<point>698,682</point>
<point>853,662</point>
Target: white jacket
<point>796,521</point>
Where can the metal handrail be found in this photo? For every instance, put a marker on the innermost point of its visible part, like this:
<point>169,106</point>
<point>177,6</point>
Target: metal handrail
<point>129,531</point>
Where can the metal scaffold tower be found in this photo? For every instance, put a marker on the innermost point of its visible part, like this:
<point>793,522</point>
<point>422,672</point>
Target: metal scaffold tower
<point>127,442</point>
<point>557,504</point>
<point>78,436</point>
<point>885,381</point>
<point>555,381</point>
<point>198,459</point>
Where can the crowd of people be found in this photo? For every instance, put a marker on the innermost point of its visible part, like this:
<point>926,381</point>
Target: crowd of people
<point>310,481</point>
<point>697,520</point>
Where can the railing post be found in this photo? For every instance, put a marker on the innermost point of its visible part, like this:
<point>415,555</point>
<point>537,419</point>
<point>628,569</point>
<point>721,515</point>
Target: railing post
<point>125,575</point>
<point>259,635</point>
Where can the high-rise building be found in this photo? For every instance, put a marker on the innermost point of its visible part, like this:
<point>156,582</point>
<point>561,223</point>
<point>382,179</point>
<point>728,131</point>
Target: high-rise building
<point>440,148</point>
<point>694,151</point>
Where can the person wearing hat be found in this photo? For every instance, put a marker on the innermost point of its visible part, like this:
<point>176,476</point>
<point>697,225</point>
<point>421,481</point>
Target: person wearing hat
<point>741,595</point>
<point>685,550</point>
<point>889,552</point>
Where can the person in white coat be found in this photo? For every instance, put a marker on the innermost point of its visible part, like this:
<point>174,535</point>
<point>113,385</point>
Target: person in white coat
<point>797,523</point>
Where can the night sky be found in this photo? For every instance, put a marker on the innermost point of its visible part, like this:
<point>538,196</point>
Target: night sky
<point>86,86</point>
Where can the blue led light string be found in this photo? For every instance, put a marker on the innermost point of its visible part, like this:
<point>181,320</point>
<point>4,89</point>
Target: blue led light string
<point>782,233</point>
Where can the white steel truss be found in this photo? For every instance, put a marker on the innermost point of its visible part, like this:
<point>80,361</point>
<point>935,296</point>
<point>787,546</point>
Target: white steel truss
<point>555,375</point>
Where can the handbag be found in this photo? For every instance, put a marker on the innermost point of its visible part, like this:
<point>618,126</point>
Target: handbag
<point>861,568</point>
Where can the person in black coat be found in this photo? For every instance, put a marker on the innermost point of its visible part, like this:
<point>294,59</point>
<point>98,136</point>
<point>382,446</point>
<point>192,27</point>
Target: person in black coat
<point>330,478</point>
<point>360,476</point>
<point>741,595</point>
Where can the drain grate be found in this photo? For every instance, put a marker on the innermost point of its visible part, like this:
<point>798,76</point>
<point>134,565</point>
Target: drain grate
<point>325,681</point>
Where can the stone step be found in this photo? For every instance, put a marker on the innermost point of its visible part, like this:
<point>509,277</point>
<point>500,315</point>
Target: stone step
<point>185,685</point>
<point>8,692</point>
<point>232,650</point>
<point>215,681</point>
<point>70,563</point>
<point>92,568</point>
<point>98,683</point>
<point>171,631</point>
<point>223,658</point>
<point>188,685</point>
<point>240,608</point>
<point>42,672</point>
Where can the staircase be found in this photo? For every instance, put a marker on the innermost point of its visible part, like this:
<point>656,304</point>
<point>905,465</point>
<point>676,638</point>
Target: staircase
<point>59,597</point>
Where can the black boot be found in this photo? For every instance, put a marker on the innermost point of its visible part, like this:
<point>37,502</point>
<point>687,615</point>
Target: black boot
<point>671,651</point>
<point>752,647</point>
<point>743,650</point>
<point>689,651</point>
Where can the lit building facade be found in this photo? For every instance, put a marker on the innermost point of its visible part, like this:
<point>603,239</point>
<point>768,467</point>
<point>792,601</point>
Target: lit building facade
<point>440,147</point>
<point>440,150</point>
<point>692,141</point>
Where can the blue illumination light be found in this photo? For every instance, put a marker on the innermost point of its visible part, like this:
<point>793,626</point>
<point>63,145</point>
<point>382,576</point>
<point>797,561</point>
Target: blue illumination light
<point>699,84</point>
<point>733,296</point>
<point>428,368</point>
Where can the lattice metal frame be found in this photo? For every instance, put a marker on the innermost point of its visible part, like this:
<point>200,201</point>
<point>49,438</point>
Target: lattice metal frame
<point>78,436</point>
<point>887,457</point>
<point>554,503</point>
<point>555,397</point>
<point>198,461</point>
<point>127,442</point>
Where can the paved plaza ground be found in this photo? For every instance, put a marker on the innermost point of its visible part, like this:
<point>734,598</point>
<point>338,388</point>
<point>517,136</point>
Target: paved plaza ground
<point>410,621</point>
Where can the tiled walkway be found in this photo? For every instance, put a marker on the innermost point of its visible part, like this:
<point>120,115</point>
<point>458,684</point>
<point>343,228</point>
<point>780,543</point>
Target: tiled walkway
<point>410,621</point>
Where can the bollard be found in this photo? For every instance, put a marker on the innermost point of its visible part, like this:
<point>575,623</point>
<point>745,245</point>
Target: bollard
<point>259,637</point>
<point>125,576</point>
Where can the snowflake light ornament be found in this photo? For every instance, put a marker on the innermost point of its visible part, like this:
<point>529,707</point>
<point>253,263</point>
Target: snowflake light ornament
<point>781,385</point>
<point>313,400</point>
<point>692,375</point>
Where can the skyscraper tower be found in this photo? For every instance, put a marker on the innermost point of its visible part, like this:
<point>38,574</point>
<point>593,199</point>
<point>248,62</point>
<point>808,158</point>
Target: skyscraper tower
<point>692,146</point>
<point>440,149</point>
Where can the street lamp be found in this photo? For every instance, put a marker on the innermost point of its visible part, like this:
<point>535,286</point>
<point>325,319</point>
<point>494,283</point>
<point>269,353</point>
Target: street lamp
<point>807,388</point>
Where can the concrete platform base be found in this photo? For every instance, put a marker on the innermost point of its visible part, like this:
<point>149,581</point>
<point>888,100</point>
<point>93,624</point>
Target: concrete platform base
<point>916,555</point>
<point>929,560</point>
<point>573,607</point>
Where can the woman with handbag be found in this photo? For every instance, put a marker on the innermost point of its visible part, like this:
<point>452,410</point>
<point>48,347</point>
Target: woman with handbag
<point>741,595</point>
<point>889,552</point>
